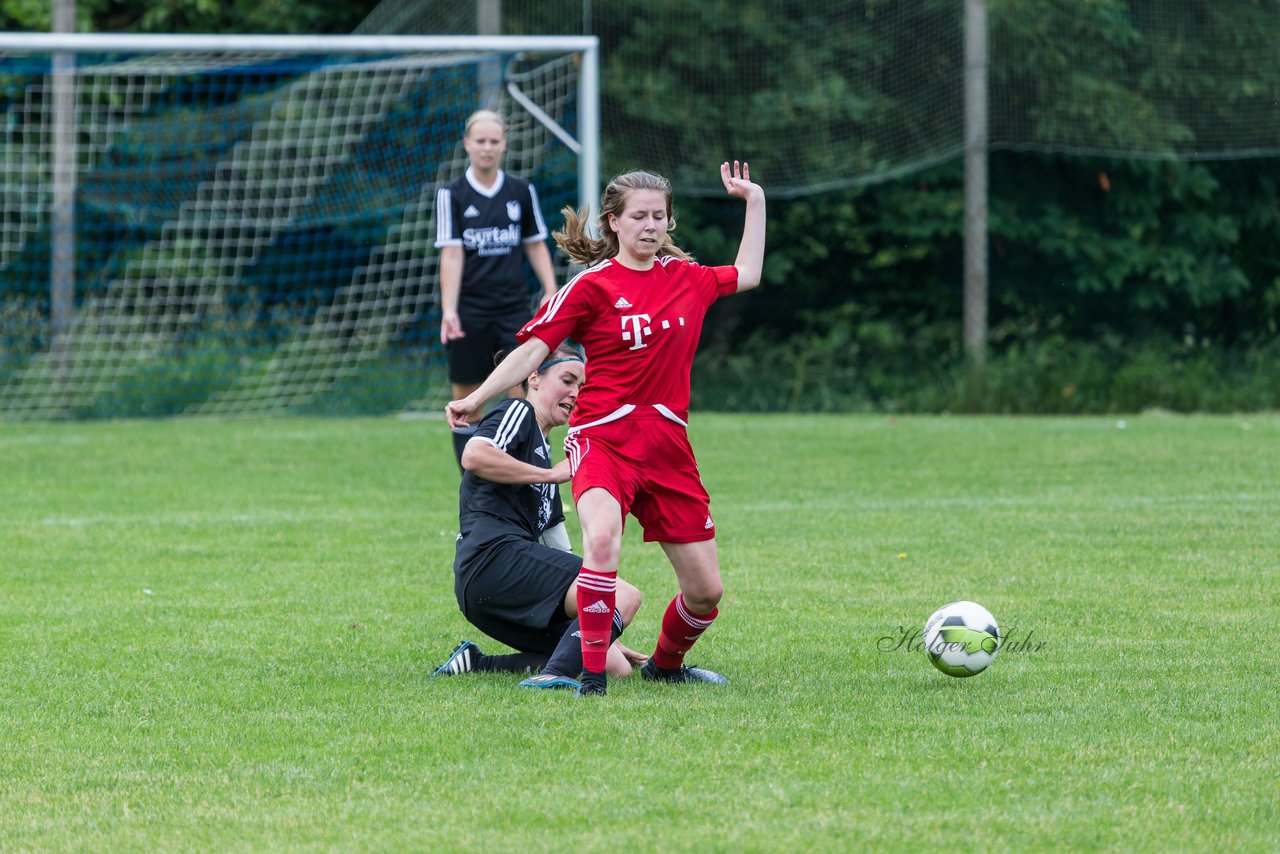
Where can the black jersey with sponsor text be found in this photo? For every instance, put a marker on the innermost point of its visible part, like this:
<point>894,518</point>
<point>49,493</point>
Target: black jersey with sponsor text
<point>491,224</point>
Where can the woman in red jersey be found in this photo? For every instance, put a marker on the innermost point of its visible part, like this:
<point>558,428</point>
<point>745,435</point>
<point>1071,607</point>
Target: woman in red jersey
<point>637,310</point>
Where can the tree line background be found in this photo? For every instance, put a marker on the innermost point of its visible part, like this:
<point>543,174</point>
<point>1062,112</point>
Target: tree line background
<point>1116,282</point>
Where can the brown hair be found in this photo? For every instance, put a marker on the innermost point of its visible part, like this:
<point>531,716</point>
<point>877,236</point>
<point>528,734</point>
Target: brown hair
<point>574,240</point>
<point>566,350</point>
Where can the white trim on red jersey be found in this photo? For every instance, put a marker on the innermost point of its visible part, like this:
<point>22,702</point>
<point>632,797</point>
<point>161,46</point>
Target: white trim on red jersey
<point>667,413</point>
<point>556,301</point>
<point>621,412</point>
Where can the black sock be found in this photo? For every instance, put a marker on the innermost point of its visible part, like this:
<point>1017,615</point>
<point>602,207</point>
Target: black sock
<point>516,662</point>
<point>566,660</point>
<point>460,438</point>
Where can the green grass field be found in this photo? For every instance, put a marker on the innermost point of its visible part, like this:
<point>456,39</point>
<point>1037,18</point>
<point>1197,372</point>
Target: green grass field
<point>217,636</point>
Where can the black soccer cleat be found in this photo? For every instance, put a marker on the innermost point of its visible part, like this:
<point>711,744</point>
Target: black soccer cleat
<point>463,660</point>
<point>592,685</point>
<point>684,674</point>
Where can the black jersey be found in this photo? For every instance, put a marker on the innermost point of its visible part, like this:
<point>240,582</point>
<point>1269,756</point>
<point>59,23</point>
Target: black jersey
<point>491,512</point>
<point>491,224</point>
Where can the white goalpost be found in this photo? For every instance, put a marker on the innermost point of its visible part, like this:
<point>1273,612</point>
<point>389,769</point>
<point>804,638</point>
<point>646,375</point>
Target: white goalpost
<point>250,217</point>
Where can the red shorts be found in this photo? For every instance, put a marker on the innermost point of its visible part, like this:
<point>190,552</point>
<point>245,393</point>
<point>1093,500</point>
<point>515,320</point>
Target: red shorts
<point>644,460</point>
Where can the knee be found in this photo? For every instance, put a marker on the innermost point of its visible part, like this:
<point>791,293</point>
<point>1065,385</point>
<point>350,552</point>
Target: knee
<point>601,550</point>
<point>703,597</point>
<point>617,666</point>
<point>629,600</point>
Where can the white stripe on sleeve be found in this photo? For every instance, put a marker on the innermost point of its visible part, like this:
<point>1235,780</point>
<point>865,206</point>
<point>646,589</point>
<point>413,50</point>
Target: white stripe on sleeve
<point>509,427</point>
<point>537,217</point>
<point>444,219</point>
<point>561,295</point>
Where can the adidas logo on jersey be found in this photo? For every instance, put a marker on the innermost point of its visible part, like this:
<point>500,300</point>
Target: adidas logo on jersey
<point>471,211</point>
<point>622,303</point>
<point>597,607</point>
<point>539,453</point>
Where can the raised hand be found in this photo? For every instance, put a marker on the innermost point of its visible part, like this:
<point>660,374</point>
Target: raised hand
<point>737,180</point>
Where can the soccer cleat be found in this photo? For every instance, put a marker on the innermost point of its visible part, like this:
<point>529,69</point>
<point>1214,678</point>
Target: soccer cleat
<point>463,660</point>
<point>550,681</point>
<point>592,684</point>
<point>684,674</point>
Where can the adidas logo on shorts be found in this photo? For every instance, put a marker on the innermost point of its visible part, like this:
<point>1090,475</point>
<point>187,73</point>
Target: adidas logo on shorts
<point>597,607</point>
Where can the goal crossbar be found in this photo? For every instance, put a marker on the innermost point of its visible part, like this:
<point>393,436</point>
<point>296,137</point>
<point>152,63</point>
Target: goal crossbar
<point>157,43</point>
<point>588,82</point>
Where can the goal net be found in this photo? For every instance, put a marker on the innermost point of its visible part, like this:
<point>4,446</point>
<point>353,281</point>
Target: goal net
<point>246,225</point>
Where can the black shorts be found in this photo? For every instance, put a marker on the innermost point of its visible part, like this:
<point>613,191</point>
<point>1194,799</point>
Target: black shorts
<point>515,593</point>
<point>472,357</point>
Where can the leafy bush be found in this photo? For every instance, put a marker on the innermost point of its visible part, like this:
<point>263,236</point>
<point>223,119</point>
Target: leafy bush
<point>850,363</point>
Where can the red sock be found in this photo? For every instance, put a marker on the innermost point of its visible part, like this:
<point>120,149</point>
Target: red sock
<point>596,598</point>
<point>680,629</point>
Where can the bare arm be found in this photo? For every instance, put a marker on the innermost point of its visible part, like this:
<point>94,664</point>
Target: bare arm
<point>485,460</point>
<point>451,262</point>
<point>519,363</point>
<point>540,260</point>
<point>750,260</point>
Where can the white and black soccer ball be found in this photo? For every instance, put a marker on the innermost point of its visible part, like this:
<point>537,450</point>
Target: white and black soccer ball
<point>961,638</point>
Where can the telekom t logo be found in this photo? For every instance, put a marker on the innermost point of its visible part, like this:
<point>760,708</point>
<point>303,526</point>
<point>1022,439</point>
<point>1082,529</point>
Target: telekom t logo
<point>637,331</point>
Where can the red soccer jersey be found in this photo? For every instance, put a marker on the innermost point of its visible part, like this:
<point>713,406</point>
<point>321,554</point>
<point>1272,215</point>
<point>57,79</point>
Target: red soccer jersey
<point>639,329</point>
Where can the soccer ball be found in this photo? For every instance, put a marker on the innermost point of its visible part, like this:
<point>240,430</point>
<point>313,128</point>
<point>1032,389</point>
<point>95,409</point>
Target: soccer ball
<point>961,638</point>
